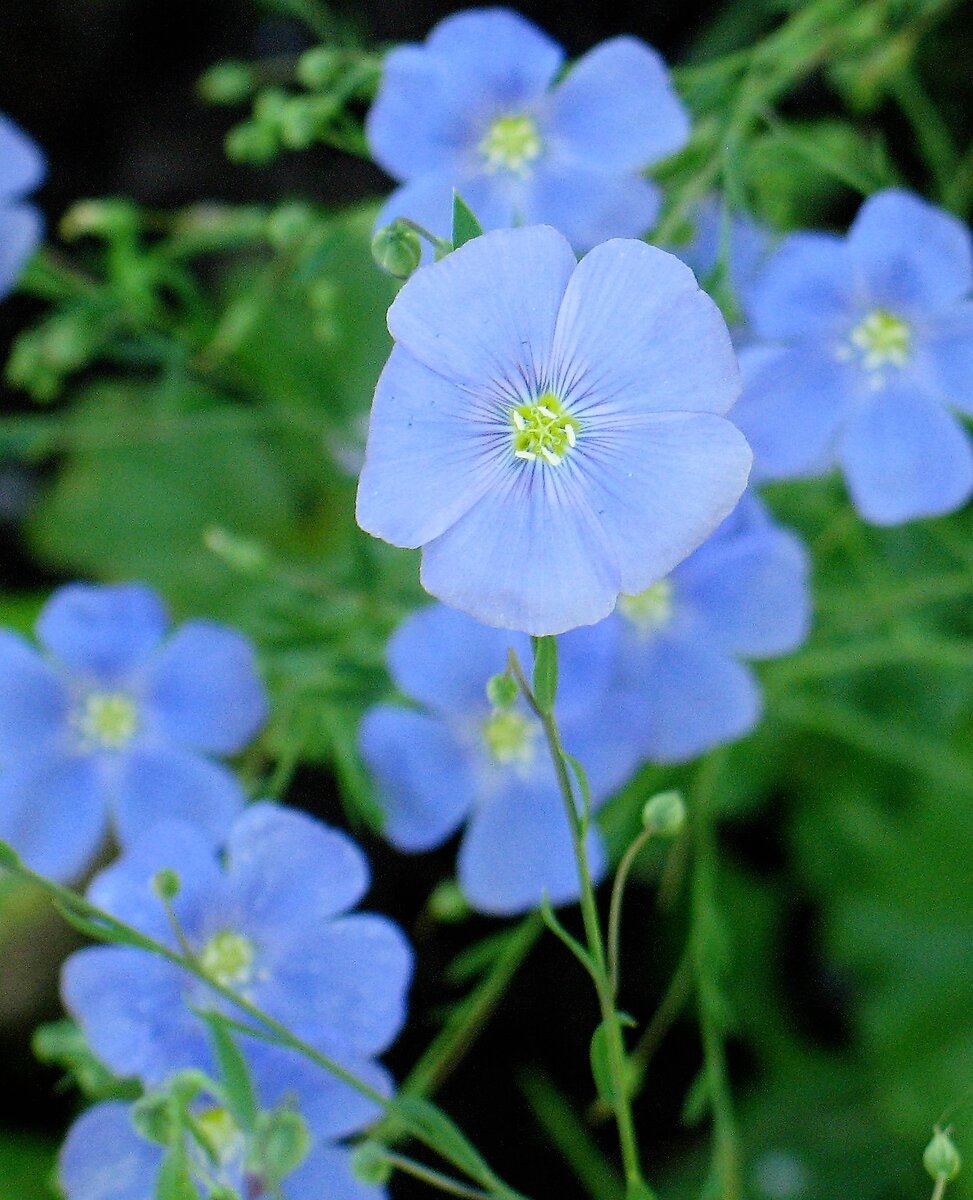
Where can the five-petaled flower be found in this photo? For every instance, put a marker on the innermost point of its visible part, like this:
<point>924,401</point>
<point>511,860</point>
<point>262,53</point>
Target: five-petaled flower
<point>551,433</point>
<point>21,170</point>
<point>868,343</point>
<point>112,722</point>
<point>476,108</point>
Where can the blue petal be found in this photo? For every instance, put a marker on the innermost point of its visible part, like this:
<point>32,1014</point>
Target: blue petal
<point>327,1171</point>
<point>132,1008</point>
<point>104,1158</point>
<point>21,161</point>
<point>21,229</point>
<point>683,697</point>
<point>496,56</point>
<point>947,350</point>
<point>791,410</point>
<point>443,659</point>
<point>423,777</point>
<point>805,291</point>
<point>428,201</point>
<point>601,742</point>
<point>588,204</point>
<point>102,631</point>
<point>909,255</point>
<point>166,784</point>
<point>749,246</point>
<point>748,594</point>
<point>636,334</point>
<point>34,701</point>
<point>485,315</point>
<point>585,658</point>
<point>341,985</point>
<point>204,690</point>
<point>661,484</point>
<point>429,440</point>
<point>617,108</point>
<point>282,863</point>
<point>518,848</point>
<point>53,813</point>
<point>530,555</point>
<point>905,457</point>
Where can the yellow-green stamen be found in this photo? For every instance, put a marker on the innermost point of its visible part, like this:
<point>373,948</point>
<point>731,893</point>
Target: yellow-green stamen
<point>512,143</point>
<point>228,959</point>
<point>881,340</point>
<point>223,1135</point>
<point>543,430</point>
<point>510,736</point>
<point>651,610</point>
<point>108,719</point>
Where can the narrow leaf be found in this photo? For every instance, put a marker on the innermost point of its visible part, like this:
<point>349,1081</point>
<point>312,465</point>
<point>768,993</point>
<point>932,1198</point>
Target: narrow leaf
<point>465,225</point>
<point>241,1100</point>
<point>545,673</point>
<point>428,1123</point>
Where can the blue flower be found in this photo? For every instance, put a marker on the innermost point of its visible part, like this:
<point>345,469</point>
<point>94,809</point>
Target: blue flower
<point>21,170</point>
<point>112,719</point>
<point>474,109</point>
<point>272,923</point>
<point>548,431</point>
<point>868,346</point>
<point>458,760</point>
<point>678,686</point>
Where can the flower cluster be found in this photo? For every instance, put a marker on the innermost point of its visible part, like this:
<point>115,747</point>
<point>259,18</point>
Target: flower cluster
<point>21,170</point>
<point>477,108</point>
<point>271,922</point>
<point>111,723</point>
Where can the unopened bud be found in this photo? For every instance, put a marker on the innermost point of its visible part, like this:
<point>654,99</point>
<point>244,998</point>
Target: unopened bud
<point>281,1143</point>
<point>448,904</point>
<point>370,1165</point>
<point>941,1158</point>
<point>397,250</point>
<point>251,143</point>
<point>316,68</point>
<point>226,83</point>
<point>665,814</point>
<point>166,884</point>
<point>502,690</point>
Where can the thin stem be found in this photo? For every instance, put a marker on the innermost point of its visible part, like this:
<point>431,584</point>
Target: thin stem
<point>615,908</point>
<point>436,1179</point>
<point>939,1188</point>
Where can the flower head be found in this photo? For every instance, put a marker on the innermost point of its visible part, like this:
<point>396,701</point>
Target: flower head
<point>476,108</point>
<point>868,346</point>
<point>459,760</point>
<point>21,170</point>
<point>678,685</point>
<point>111,720</point>
<point>549,431</point>
<point>272,924</point>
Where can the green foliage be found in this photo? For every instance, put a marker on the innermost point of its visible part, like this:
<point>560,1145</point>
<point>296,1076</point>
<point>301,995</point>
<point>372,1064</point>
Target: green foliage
<point>26,1168</point>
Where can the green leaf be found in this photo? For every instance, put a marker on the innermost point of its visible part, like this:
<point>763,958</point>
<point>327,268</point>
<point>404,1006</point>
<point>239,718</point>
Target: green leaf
<point>545,673</point>
<point>237,1086</point>
<point>601,1066</point>
<point>62,1044</point>
<point>428,1123</point>
<point>97,930</point>
<point>26,1166</point>
<point>465,225</point>
<point>174,1181</point>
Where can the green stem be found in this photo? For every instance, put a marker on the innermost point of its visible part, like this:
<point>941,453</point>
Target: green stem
<point>436,1179</point>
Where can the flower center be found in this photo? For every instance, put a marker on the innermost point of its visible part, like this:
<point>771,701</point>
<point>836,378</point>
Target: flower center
<point>510,737</point>
<point>651,610</point>
<point>108,719</point>
<point>512,143</point>
<point>543,430</point>
<point>228,959</point>
<point>222,1133</point>
<point>881,340</point>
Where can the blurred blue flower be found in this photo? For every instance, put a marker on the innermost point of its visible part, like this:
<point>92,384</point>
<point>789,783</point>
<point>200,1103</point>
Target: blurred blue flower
<point>868,345</point>
<point>112,719</point>
<point>460,760</point>
<point>273,924</point>
<point>548,431</point>
<point>678,686</point>
<point>21,170</point>
<point>473,108</point>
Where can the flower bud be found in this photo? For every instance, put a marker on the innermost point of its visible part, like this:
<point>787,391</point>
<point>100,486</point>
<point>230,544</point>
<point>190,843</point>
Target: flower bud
<point>166,884</point>
<point>397,250</point>
<point>502,690</point>
<point>316,68</point>
<point>941,1158</point>
<point>281,1143</point>
<point>289,224</point>
<point>154,1119</point>
<point>665,814</point>
<point>226,83</point>
<point>448,904</point>
<point>250,142</point>
<point>370,1165</point>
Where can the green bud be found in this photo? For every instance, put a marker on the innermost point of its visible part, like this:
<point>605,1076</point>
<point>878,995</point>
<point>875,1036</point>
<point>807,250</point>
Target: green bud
<point>299,124</point>
<point>226,83</point>
<point>98,218</point>
<point>242,554</point>
<point>251,143</point>
<point>370,1165</point>
<point>270,106</point>
<point>502,690</point>
<point>397,249</point>
<point>665,814</point>
<point>289,225</point>
<point>448,904</point>
<point>154,1119</point>
<point>281,1142</point>
<point>941,1158</point>
<point>317,68</point>
<point>166,884</point>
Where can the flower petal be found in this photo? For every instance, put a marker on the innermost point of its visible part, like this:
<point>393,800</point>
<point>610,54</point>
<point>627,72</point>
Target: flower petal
<point>485,315</point>
<point>282,862</point>
<point>53,813</point>
<point>791,410</point>
<point>588,204</point>
<point>910,255</point>
<point>428,201</point>
<point>423,778</point>
<point>947,354</point>
<point>166,784</point>
<point>22,164</point>
<point>636,334</point>
<point>103,631</point>
<point>518,848</point>
<point>806,290</point>
<point>660,485</point>
<point>104,1158</point>
<point>204,690</point>
<point>327,1171</point>
<point>617,109</point>
<point>34,701</point>
<point>530,555</point>
<point>905,457</point>
<point>21,229</point>
<point>429,440</point>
